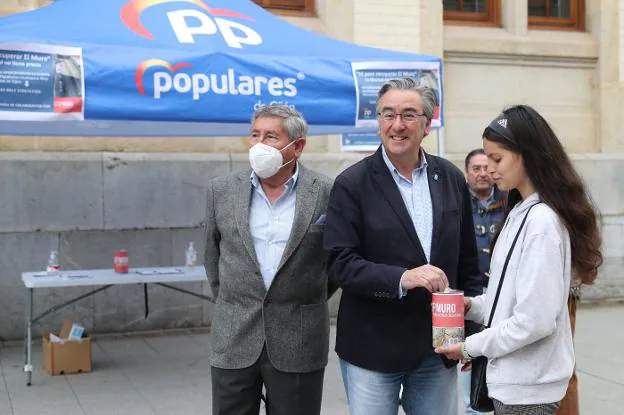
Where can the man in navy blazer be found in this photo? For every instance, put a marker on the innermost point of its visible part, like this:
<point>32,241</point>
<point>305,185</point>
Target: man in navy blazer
<point>398,227</point>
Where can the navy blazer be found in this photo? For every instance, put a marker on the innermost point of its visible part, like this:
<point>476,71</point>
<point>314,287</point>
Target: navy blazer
<point>371,240</point>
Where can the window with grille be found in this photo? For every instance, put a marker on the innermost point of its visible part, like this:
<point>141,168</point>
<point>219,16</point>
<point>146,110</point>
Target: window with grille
<point>305,6</point>
<point>557,14</point>
<point>472,12</point>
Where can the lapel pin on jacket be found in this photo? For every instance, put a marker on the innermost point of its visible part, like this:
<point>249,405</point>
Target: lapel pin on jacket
<point>436,176</point>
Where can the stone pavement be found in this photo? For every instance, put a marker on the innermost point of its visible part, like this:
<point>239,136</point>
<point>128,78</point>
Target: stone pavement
<point>169,374</point>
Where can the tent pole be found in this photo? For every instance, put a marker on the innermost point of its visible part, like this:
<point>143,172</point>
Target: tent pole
<point>441,149</point>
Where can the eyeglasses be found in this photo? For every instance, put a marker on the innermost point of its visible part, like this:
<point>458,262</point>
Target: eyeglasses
<point>407,116</point>
<point>478,169</point>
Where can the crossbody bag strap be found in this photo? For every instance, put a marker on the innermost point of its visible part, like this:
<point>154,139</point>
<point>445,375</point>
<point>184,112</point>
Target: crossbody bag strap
<point>500,282</point>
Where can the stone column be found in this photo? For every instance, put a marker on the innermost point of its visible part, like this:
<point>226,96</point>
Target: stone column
<point>514,16</point>
<point>608,28</point>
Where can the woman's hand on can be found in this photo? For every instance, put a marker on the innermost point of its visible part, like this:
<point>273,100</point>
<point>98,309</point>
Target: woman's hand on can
<point>467,304</point>
<point>453,352</point>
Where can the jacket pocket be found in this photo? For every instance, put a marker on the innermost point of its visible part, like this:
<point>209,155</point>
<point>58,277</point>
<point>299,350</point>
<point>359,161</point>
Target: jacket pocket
<point>221,326</point>
<point>314,237</point>
<point>315,227</point>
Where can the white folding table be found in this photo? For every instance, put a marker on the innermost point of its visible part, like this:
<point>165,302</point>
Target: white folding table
<point>106,278</point>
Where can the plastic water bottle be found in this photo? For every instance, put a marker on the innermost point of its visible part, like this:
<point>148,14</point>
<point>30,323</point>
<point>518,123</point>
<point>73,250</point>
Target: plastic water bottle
<point>191,255</point>
<point>53,263</point>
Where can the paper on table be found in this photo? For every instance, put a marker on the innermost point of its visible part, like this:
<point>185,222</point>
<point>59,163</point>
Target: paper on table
<point>147,272</point>
<point>75,277</point>
<point>160,271</point>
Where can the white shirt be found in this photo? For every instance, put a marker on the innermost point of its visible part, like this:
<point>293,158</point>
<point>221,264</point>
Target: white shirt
<point>270,225</point>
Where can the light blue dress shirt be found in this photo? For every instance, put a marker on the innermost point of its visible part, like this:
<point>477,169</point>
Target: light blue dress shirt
<point>417,199</point>
<point>270,225</point>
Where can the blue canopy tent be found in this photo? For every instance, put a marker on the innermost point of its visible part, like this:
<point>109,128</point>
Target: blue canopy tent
<point>184,67</point>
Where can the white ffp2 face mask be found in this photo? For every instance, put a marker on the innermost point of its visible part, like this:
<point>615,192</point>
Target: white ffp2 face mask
<point>266,160</point>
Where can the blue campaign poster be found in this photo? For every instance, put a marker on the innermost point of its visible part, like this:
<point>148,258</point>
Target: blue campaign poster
<point>41,83</point>
<point>370,76</point>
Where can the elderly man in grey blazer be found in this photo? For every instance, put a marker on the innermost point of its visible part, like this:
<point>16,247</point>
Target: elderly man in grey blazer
<point>266,267</point>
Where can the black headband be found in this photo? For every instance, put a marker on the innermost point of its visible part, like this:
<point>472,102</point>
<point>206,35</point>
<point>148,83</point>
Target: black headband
<point>500,125</point>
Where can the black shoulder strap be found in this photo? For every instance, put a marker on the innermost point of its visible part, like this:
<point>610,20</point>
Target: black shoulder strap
<point>513,244</point>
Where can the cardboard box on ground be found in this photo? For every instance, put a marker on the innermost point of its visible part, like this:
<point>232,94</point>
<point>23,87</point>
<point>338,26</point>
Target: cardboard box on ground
<point>69,352</point>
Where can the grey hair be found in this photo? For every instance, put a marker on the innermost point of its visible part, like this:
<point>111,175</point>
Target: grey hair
<point>410,84</point>
<point>293,122</point>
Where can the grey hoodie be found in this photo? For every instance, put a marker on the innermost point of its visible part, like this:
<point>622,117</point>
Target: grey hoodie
<point>529,345</point>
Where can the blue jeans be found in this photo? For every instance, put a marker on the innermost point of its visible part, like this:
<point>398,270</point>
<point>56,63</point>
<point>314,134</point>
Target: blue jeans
<point>429,390</point>
<point>464,380</point>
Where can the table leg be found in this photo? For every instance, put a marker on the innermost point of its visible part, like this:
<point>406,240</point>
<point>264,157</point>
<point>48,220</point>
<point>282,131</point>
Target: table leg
<point>28,340</point>
<point>25,327</point>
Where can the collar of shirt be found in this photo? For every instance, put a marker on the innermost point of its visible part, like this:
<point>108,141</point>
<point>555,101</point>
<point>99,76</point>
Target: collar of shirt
<point>484,203</point>
<point>290,183</point>
<point>395,173</point>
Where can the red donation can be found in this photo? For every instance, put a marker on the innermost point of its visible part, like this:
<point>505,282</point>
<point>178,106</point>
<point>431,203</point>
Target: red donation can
<point>447,313</point>
<point>120,260</point>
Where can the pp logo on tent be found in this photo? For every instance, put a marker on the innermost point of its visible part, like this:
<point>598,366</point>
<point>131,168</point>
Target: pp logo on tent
<point>236,35</point>
<point>138,79</point>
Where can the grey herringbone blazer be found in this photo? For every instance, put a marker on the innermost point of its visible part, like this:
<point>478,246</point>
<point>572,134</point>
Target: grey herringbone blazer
<point>291,317</point>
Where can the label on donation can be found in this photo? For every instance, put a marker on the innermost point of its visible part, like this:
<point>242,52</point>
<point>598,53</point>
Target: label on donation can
<point>447,312</point>
<point>121,261</point>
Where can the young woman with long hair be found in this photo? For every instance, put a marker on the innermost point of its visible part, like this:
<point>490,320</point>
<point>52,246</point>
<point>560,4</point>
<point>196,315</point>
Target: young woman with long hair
<point>529,342</point>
